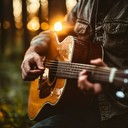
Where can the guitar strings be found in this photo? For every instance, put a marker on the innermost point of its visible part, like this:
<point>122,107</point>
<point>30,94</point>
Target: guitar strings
<point>101,77</point>
<point>64,71</point>
<point>66,65</point>
<point>83,66</point>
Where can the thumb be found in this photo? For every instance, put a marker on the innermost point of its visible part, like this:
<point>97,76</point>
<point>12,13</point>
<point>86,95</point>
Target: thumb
<point>39,64</point>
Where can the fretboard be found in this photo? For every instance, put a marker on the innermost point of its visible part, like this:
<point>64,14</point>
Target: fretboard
<point>72,70</point>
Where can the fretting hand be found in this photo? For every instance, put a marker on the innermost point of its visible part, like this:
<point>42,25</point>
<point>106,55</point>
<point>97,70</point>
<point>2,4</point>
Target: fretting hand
<point>85,85</point>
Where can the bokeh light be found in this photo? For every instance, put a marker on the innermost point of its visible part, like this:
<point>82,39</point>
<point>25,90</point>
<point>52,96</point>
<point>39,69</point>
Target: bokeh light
<point>33,24</point>
<point>44,26</point>
<point>58,26</point>
<point>33,6</point>
<point>17,12</point>
<point>44,8</point>
<point>6,24</point>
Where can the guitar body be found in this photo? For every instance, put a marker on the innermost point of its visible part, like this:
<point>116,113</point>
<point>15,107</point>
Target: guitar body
<point>49,93</point>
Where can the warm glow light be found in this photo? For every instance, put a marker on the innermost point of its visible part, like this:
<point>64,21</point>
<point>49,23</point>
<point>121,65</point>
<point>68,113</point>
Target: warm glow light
<point>58,26</point>
<point>33,24</point>
<point>44,26</point>
<point>18,25</point>
<point>33,6</point>
<point>44,8</point>
<point>17,11</point>
<point>6,24</point>
<point>17,8</point>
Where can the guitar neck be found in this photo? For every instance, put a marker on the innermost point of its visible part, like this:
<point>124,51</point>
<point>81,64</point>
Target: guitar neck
<point>100,74</point>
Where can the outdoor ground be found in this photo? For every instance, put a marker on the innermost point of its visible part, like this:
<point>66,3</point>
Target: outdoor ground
<point>13,94</point>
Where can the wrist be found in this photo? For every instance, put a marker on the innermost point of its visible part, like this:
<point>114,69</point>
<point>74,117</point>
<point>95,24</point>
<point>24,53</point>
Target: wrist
<point>40,49</point>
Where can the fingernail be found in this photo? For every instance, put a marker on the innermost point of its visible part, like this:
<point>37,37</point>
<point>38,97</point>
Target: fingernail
<point>41,67</point>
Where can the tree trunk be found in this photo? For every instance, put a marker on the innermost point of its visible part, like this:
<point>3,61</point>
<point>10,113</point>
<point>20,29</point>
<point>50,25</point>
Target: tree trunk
<point>56,9</point>
<point>26,39</point>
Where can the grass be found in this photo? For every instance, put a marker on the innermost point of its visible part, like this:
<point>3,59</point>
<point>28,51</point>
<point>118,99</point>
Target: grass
<point>13,95</point>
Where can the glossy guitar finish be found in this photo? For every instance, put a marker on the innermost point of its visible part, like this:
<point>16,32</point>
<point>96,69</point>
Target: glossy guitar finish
<point>63,63</point>
<point>51,89</point>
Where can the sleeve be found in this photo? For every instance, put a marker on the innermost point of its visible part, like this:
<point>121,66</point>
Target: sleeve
<point>72,16</point>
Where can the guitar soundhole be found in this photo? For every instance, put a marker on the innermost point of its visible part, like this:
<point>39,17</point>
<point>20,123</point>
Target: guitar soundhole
<point>44,91</point>
<point>46,86</point>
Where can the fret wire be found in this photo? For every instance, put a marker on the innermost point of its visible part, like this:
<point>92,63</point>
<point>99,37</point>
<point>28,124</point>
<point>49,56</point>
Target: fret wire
<point>121,73</point>
<point>84,66</point>
<point>73,71</point>
<point>73,67</point>
<point>71,64</point>
<point>60,73</point>
<point>118,73</point>
<point>63,67</point>
<point>101,77</point>
<point>76,65</point>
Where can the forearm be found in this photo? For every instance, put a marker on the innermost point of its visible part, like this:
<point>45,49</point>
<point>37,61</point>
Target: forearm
<point>40,43</point>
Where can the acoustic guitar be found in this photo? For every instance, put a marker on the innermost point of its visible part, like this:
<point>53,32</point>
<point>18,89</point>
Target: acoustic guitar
<point>62,64</point>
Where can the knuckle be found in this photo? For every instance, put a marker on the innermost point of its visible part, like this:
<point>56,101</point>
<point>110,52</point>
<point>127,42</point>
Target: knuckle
<point>100,60</point>
<point>83,78</point>
<point>36,57</point>
<point>22,65</point>
<point>24,77</point>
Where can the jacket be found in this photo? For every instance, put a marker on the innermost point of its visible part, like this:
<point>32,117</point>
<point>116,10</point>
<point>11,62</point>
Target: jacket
<point>113,29</point>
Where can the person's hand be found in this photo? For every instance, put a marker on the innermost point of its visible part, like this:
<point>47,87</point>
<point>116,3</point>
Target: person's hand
<point>31,66</point>
<point>85,85</point>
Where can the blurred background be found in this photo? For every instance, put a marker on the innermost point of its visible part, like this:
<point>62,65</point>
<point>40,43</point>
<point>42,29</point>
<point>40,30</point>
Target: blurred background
<point>20,21</point>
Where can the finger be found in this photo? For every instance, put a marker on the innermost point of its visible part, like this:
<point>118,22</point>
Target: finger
<point>25,66</point>
<point>39,64</point>
<point>23,74</point>
<point>81,83</point>
<point>31,77</point>
<point>83,72</point>
<point>98,62</point>
<point>97,88</point>
<point>35,72</point>
<point>28,74</point>
<point>89,86</point>
<point>84,84</point>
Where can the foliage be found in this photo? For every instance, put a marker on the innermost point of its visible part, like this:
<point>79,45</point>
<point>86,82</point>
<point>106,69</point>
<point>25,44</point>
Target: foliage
<point>13,96</point>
